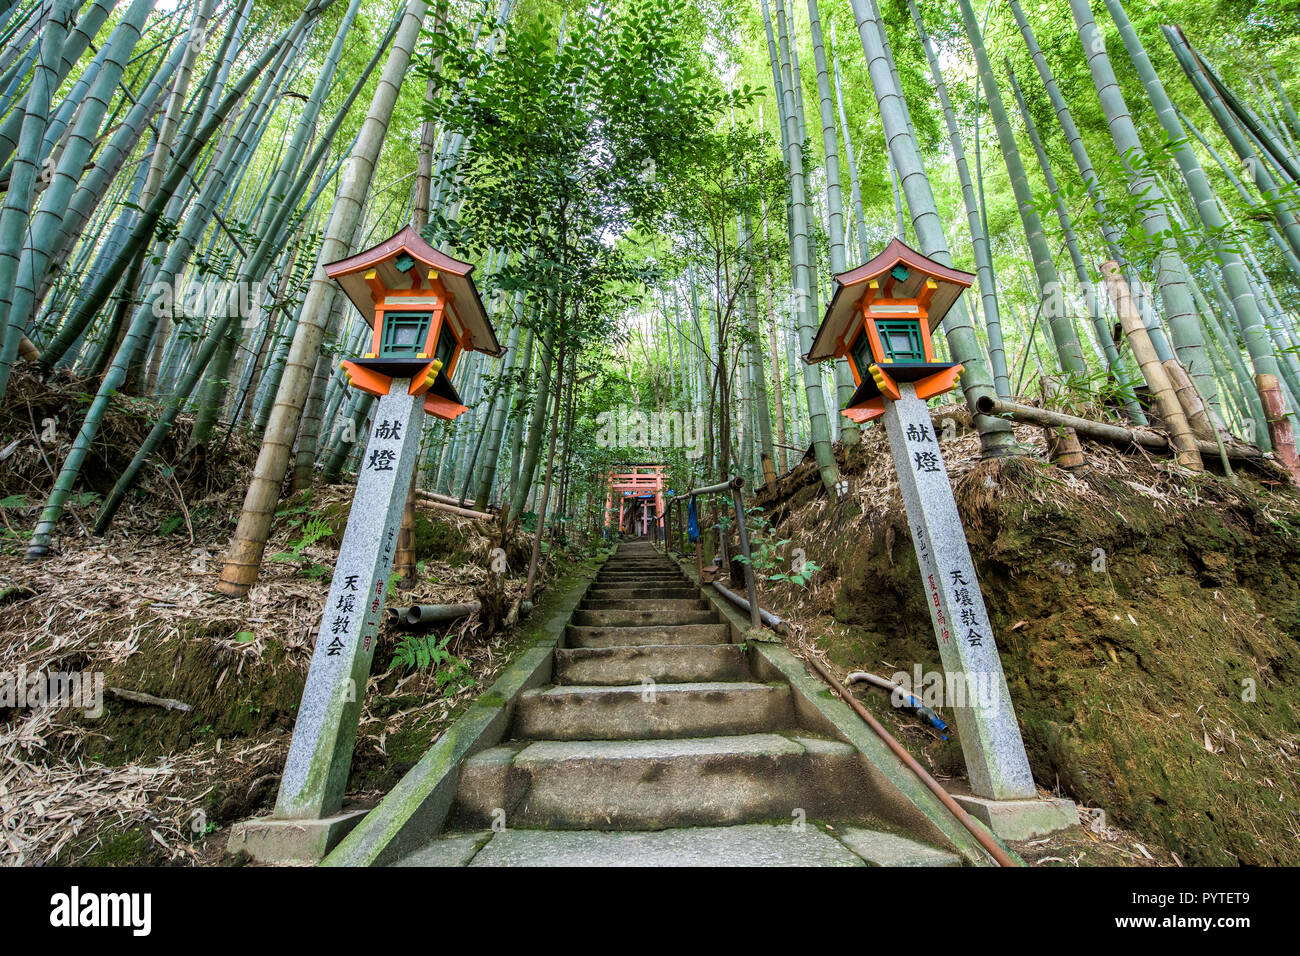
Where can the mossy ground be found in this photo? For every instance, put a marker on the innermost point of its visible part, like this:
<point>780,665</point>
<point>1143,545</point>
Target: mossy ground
<point>1147,622</point>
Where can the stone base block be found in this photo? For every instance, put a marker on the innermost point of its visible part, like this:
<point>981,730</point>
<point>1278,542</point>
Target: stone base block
<point>762,635</point>
<point>1021,819</point>
<point>290,842</point>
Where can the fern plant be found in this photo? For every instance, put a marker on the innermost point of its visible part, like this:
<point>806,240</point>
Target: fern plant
<point>417,652</point>
<point>312,531</point>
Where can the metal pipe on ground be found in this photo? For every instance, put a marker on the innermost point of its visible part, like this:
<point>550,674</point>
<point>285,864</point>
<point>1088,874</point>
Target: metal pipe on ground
<point>423,615</point>
<point>994,849</point>
<point>1121,435</point>
<point>767,617</point>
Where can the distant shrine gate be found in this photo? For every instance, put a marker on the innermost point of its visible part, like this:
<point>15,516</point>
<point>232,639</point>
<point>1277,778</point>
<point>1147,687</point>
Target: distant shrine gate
<point>634,499</point>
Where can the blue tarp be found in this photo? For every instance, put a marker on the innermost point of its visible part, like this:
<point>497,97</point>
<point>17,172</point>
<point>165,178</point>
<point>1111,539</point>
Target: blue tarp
<point>692,526</point>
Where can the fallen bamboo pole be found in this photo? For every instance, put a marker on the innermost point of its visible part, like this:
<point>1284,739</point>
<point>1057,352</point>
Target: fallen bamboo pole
<point>139,697</point>
<point>1121,435</point>
<point>455,509</point>
<point>449,500</point>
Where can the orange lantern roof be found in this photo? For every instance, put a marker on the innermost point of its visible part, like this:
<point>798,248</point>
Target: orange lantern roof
<point>926,288</point>
<point>424,311</point>
<point>370,275</point>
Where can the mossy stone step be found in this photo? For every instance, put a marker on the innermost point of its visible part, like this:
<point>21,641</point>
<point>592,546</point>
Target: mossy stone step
<point>662,663</point>
<point>655,784</point>
<point>634,618</point>
<point>641,711</point>
<point>614,636</point>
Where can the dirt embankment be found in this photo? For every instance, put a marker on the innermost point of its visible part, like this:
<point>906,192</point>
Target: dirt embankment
<point>143,784</point>
<point>1147,619</point>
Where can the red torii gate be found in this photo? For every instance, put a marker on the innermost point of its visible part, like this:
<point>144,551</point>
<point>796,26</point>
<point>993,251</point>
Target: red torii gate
<point>642,486</point>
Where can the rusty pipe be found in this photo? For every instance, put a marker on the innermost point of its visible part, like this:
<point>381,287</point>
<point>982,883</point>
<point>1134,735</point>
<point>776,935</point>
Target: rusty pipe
<point>994,849</point>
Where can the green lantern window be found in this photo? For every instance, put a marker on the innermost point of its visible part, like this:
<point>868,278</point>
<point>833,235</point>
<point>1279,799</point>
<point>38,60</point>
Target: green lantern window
<point>901,341</point>
<point>446,344</point>
<point>862,356</point>
<point>404,333</point>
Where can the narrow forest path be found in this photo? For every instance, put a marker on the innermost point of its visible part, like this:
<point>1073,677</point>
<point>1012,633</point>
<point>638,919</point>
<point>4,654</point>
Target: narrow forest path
<point>657,746</point>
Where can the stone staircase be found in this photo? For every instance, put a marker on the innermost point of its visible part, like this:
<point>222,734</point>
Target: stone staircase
<point>656,745</point>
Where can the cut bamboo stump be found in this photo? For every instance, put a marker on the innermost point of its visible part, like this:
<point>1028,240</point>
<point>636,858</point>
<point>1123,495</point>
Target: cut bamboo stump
<point>404,560</point>
<point>1063,447</point>
<point>1279,426</point>
<point>1181,435</point>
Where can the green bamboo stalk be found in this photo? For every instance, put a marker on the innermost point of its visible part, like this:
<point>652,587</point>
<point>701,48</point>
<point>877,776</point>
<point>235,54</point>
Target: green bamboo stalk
<point>17,302</point>
<point>1171,271</point>
<point>1050,291</point>
<point>1276,198</point>
<point>1244,305</point>
<point>22,183</point>
<point>996,437</point>
<point>1101,326</point>
<point>800,264</point>
<point>62,42</point>
<point>979,241</point>
<point>850,157</point>
<point>849,431</point>
<point>63,486</point>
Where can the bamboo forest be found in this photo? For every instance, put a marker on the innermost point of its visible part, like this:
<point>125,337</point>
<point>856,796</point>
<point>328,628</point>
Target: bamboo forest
<point>646,433</point>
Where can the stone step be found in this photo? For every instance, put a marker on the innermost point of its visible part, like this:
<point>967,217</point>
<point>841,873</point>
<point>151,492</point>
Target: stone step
<point>658,662</point>
<point>644,604</point>
<point>654,570</point>
<point>754,844</point>
<point>655,784</point>
<point>606,636</point>
<point>643,618</point>
<point>627,571</point>
<point>745,844</point>
<point>636,577</point>
<point>645,712</point>
<point>601,593</point>
<point>890,849</point>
